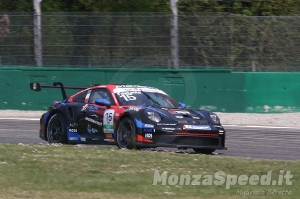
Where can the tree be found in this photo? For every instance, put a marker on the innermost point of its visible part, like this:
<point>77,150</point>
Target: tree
<point>246,7</point>
<point>16,6</point>
<point>250,8</point>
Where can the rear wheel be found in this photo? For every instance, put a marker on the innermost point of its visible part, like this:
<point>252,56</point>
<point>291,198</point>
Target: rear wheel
<point>126,134</point>
<point>204,151</point>
<point>56,129</point>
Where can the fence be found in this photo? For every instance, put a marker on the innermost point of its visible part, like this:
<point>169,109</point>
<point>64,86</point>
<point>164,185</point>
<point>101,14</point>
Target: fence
<point>142,40</point>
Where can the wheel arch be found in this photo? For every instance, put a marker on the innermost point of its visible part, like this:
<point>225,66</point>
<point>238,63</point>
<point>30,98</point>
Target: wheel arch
<point>65,122</point>
<point>127,118</point>
<point>54,111</point>
<point>132,115</point>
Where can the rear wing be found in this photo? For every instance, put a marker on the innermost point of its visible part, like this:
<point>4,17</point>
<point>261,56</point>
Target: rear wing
<point>35,86</point>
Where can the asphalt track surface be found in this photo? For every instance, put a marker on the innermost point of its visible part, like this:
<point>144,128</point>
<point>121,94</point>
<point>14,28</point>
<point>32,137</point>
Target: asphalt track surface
<point>280,143</point>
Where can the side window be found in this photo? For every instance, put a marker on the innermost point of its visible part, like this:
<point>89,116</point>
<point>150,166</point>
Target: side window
<point>100,94</point>
<point>80,98</point>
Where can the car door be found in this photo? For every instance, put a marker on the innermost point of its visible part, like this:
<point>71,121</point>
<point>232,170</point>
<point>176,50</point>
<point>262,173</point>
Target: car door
<point>91,121</point>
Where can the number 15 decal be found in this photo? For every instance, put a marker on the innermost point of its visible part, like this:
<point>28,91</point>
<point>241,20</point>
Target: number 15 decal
<point>108,121</point>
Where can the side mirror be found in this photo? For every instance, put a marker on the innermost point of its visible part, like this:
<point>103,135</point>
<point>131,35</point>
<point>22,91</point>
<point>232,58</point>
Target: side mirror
<point>182,105</point>
<point>103,102</point>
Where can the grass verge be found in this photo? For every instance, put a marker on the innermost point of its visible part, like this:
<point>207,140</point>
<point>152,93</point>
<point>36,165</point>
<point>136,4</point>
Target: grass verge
<point>65,171</point>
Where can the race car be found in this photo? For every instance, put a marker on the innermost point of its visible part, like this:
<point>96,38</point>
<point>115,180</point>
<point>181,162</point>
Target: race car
<point>130,116</point>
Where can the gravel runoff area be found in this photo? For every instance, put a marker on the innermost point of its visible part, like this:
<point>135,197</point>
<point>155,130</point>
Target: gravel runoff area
<point>242,119</point>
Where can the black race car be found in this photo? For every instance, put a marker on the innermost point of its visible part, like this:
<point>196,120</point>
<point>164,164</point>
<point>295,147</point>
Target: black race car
<point>130,116</point>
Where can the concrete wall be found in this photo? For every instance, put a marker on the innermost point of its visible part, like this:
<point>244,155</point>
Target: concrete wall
<point>272,92</point>
<point>217,90</point>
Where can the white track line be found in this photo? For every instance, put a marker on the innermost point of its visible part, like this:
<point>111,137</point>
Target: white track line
<point>226,125</point>
<point>11,118</point>
<point>271,127</point>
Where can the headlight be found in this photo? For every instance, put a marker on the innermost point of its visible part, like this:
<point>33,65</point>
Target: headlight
<point>152,116</point>
<point>214,118</point>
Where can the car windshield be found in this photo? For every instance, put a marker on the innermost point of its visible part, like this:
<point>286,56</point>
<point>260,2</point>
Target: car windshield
<point>139,97</point>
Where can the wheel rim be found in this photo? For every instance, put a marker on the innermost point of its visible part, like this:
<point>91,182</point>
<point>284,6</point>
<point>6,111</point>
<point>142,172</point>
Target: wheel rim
<point>125,133</point>
<point>55,131</point>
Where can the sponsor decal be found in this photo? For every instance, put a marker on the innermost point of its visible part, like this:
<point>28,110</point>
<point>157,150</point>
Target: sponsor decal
<point>73,138</point>
<point>196,127</point>
<point>92,108</point>
<point>73,125</point>
<point>73,130</point>
<point>83,139</point>
<point>129,88</point>
<point>91,130</point>
<point>168,129</point>
<point>166,124</point>
<point>147,130</point>
<point>134,92</point>
<point>84,107</point>
<point>128,96</point>
<point>108,135</point>
<point>149,125</point>
<point>148,135</point>
<point>109,131</point>
<point>109,140</point>
<point>94,115</point>
<point>181,112</point>
<point>133,108</point>
<point>93,121</point>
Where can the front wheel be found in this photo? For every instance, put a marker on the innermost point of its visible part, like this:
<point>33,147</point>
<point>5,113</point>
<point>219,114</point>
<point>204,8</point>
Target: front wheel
<point>204,151</point>
<point>126,134</point>
<point>56,129</point>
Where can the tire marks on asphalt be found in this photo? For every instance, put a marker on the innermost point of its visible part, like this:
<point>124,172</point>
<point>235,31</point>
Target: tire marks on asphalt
<point>263,142</point>
<point>250,142</point>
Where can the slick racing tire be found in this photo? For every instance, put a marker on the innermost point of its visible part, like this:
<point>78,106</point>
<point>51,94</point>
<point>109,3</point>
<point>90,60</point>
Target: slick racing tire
<point>56,129</point>
<point>204,151</point>
<point>126,134</point>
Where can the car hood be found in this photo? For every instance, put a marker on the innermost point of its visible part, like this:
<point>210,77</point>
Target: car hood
<point>187,116</point>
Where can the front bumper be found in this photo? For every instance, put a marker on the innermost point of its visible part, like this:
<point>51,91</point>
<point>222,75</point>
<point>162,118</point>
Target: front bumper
<point>179,138</point>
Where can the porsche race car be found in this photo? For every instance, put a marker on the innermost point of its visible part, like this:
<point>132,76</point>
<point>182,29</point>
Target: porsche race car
<point>130,116</point>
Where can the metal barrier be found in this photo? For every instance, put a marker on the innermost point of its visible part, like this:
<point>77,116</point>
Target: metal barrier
<point>142,40</point>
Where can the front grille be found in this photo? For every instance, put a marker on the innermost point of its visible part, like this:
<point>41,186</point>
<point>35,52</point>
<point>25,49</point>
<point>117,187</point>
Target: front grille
<point>189,120</point>
<point>197,141</point>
